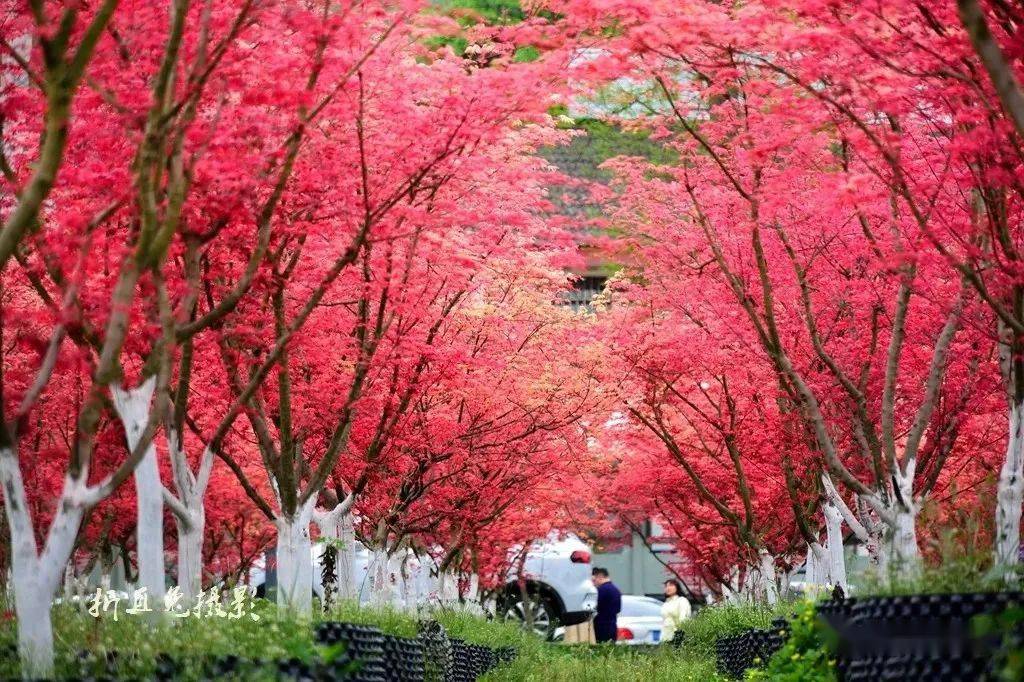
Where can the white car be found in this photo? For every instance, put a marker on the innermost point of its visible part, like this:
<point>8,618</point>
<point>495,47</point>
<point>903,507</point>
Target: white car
<point>556,574</point>
<point>639,621</point>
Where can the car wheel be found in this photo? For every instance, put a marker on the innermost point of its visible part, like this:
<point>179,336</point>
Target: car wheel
<point>543,615</point>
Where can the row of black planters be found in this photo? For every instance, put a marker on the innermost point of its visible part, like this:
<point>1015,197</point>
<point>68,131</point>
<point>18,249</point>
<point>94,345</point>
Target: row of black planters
<point>914,637</point>
<point>372,656</point>
<point>357,653</point>
<point>924,637</point>
<point>749,649</point>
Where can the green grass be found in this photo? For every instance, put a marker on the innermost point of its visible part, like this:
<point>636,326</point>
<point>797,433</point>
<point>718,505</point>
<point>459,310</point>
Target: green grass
<point>542,662</point>
<point>565,663</point>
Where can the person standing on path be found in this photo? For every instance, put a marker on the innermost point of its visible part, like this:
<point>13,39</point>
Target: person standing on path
<point>609,603</point>
<point>674,611</point>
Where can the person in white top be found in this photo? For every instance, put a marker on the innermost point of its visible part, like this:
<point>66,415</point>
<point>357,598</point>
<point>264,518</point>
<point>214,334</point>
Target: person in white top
<point>674,611</point>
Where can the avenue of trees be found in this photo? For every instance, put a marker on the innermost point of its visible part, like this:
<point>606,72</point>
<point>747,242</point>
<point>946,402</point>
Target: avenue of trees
<point>273,270</point>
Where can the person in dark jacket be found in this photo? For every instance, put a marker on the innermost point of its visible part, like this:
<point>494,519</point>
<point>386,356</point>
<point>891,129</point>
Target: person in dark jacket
<point>609,603</point>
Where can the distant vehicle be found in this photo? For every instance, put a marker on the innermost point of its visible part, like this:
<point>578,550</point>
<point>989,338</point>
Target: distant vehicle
<point>557,585</point>
<point>639,621</point>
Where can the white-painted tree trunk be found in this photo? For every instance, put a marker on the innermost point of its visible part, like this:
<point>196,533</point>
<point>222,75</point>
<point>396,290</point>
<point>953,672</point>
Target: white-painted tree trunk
<point>35,637</point>
<point>767,578</point>
<point>69,580</point>
<point>812,575</point>
<point>836,559</point>
<point>295,562</point>
<point>905,553</point>
<point>410,582</point>
<point>1010,494</point>
<point>338,526</point>
<point>36,576</point>
<point>384,571</point>
<point>447,588</point>
<point>133,406</point>
<point>31,602</point>
<point>189,509</point>
<point>472,595</point>
<point>877,556</point>
<point>190,553</point>
<point>868,533</point>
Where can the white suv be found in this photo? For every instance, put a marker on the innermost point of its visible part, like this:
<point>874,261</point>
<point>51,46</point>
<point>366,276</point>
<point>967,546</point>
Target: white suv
<point>556,578</point>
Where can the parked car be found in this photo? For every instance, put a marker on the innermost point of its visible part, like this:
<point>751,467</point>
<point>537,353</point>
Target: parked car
<point>640,620</point>
<point>557,585</point>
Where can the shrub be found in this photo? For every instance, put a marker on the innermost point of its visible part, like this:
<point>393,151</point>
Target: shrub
<point>804,657</point>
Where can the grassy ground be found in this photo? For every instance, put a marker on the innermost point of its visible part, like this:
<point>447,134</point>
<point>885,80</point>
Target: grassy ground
<point>139,644</point>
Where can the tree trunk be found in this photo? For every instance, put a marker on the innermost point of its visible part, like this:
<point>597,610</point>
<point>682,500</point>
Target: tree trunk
<point>767,579</point>
<point>1010,494</point>
<point>381,585</point>
<point>836,559</point>
<point>410,582</point>
<point>190,552</point>
<point>905,554</point>
<point>447,588</point>
<point>189,509</point>
<point>337,525</point>
<point>35,632</point>
<point>34,576</point>
<point>295,563</point>
<point>133,406</point>
<point>818,555</point>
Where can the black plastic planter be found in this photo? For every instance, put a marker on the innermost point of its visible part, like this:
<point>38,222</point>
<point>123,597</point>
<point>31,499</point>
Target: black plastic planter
<point>364,645</point>
<point>915,637</point>
<point>748,649</point>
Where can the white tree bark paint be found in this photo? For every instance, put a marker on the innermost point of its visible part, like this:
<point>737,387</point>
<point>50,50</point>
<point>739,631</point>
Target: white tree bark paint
<point>190,554</point>
<point>905,553</point>
<point>410,567</point>
<point>69,580</point>
<point>1010,493</point>
<point>384,579</point>
<point>836,559</point>
<point>31,605</point>
<point>294,561</point>
<point>869,534</point>
<point>472,595</point>
<point>189,509</point>
<point>133,406</point>
<point>35,576</point>
<point>447,588</point>
<point>338,526</point>
<point>768,577</point>
<point>811,573</point>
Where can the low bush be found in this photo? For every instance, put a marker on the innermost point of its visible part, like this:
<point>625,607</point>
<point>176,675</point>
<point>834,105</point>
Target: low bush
<point>804,657</point>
